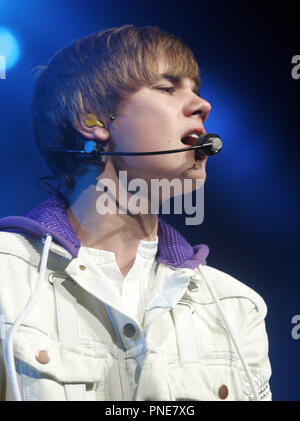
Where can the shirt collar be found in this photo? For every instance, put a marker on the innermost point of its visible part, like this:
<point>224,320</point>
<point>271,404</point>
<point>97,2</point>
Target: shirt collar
<point>51,217</point>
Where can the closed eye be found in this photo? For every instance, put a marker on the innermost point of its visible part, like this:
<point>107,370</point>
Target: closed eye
<point>168,89</point>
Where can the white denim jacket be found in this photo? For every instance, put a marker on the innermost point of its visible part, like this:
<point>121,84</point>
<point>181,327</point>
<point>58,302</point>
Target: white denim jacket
<point>203,336</point>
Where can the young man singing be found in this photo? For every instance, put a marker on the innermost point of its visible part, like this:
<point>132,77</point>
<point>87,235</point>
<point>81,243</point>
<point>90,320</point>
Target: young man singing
<point>117,305</point>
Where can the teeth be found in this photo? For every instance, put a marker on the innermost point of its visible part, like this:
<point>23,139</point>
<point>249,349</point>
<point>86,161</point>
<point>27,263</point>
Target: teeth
<point>187,139</point>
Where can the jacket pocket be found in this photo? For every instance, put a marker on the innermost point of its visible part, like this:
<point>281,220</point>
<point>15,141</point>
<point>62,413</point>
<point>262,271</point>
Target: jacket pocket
<point>48,370</point>
<point>198,381</point>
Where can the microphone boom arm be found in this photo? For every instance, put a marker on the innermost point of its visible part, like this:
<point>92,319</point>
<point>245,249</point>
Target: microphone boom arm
<point>151,153</point>
<point>210,143</point>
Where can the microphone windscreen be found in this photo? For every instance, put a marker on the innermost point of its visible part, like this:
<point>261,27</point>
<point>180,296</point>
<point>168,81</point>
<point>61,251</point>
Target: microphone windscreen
<point>210,144</point>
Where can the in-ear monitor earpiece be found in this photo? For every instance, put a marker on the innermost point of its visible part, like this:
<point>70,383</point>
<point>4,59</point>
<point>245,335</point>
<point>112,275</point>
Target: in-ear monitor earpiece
<point>92,121</point>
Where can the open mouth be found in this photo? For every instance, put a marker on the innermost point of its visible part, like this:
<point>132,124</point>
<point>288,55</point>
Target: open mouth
<point>191,140</point>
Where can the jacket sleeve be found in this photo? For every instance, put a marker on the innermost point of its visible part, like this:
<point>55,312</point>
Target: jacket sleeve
<point>255,350</point>
<point>2,374</point>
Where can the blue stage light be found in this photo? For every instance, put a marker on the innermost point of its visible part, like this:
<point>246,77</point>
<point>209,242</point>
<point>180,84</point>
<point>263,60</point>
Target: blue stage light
<point>9,47</point>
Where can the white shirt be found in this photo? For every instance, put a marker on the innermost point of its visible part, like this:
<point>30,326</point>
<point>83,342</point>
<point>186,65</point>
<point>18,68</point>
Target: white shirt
<point>135,288</point>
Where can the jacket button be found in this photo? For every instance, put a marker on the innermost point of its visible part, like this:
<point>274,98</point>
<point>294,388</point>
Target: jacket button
<point>223,392</point>
<point>82,267</point>
<point>129,330</point>
<point>42,357</point>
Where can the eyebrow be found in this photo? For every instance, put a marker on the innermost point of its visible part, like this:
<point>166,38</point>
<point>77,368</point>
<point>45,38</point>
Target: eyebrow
<point>177,80</point>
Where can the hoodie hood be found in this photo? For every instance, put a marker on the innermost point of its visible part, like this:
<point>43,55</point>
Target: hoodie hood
<point>51,217</point>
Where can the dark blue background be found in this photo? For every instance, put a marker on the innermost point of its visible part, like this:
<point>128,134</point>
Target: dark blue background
<point>251,194</point>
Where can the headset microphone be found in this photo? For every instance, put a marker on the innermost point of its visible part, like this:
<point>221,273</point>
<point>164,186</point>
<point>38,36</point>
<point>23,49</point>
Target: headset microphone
<point>206,144</point>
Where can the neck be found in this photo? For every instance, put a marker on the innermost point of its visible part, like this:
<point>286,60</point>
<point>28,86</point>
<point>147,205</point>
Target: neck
<point>115,231</point>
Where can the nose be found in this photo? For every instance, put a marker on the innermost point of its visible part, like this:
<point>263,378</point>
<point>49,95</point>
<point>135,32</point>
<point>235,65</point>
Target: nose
<point>197,106</point>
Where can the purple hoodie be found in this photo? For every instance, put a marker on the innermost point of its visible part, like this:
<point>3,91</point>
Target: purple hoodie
<point>51,217</point>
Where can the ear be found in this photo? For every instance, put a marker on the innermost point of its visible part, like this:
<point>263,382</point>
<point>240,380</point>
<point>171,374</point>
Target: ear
<point>95,132</point>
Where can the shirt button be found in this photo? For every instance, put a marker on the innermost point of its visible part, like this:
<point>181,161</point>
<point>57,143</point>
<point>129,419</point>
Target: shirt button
<point>42,357</point>
<point>82,267</point>
<point>223,392</point>
<point>129,330</point>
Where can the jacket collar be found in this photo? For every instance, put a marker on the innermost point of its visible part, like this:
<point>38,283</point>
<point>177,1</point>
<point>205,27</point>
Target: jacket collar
<point>51,217</point>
